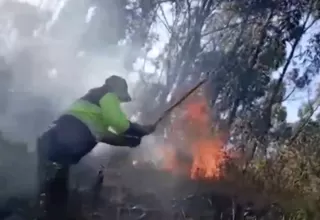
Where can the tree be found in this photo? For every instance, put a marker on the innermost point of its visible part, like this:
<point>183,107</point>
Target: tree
<point>254,51</point>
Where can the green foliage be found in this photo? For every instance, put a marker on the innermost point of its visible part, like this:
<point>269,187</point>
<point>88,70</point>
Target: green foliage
<point>257,62</point>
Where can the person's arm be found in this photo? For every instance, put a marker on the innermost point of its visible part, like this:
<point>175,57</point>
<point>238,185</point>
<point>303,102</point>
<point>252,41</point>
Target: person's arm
<point>140,130</point>
<point>120,140</point>
<point>117,120</point>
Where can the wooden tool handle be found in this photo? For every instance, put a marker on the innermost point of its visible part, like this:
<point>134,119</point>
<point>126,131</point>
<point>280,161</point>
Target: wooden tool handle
<point>184,97</point>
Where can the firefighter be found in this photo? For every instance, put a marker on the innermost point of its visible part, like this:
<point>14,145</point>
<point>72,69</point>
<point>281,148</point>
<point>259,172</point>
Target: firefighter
<point>95,117</point>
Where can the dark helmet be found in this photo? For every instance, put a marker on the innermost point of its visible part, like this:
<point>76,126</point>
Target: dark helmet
<point>119,86</point>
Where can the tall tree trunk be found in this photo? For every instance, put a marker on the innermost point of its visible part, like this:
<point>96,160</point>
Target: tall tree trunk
<point>233,112</point>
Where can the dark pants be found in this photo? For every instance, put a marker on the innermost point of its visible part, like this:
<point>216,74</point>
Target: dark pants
<point>53,187</point>
<point>58,148</point>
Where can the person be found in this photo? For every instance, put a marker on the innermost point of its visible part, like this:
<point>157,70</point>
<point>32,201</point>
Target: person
<point>95,117</point>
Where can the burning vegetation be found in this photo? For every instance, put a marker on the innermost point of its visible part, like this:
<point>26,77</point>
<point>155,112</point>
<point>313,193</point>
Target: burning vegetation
<point>192,147</point>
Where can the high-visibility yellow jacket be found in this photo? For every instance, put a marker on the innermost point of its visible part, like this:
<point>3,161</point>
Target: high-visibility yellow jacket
<point>83,125</point>
<point>101,114</point>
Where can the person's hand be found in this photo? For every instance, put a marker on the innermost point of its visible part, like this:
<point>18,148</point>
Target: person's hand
<point>150,128</point>
<point>134,141</point>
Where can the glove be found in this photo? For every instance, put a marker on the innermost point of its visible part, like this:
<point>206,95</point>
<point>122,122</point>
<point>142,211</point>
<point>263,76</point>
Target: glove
<point>149,129</point>
<point>133,141</point>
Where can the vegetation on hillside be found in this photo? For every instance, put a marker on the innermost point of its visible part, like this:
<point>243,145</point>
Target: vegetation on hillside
<point>261,55</point>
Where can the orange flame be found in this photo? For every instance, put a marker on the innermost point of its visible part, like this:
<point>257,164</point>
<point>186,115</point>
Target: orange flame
<point>206,150</point>
<point>207,160</point>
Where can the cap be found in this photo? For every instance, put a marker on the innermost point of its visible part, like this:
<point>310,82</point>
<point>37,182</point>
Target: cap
<point>119,86</point>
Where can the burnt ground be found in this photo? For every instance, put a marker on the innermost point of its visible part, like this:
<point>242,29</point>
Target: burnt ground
<point>130,192</point>
<point>143,192</point>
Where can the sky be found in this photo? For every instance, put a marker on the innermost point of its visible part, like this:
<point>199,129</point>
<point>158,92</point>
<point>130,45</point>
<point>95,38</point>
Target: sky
<point>297,98</point>
<point>292,103</point>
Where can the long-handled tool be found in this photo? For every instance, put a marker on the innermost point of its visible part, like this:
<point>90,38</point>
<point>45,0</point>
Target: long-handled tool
<point>179,101</point>
<point>176,103</point>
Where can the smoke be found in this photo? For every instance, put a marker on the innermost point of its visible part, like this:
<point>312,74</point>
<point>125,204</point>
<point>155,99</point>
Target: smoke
<point>49,68</point>
<point>53,55</point>
<point>46,65</point>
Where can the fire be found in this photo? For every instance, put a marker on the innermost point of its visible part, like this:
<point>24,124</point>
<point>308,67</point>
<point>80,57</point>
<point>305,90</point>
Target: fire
<point>197,113</point>
<point>207,159</point>
<point>205,150</point>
